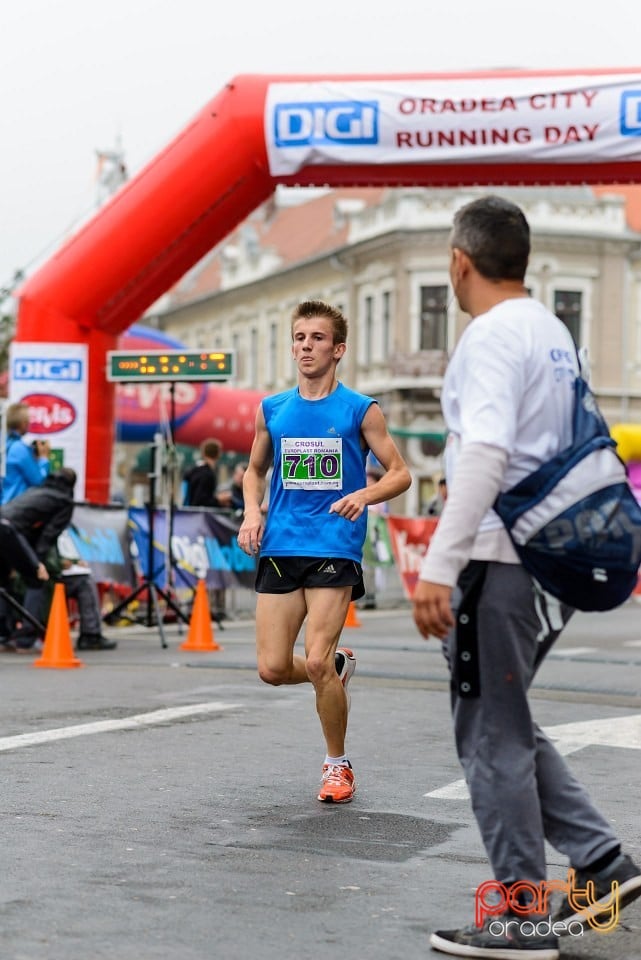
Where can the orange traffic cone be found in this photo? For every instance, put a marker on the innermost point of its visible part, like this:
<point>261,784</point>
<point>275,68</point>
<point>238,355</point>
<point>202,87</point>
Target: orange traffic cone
<point>351,620</point>
<point>58,648</point>
<point>201,633</point>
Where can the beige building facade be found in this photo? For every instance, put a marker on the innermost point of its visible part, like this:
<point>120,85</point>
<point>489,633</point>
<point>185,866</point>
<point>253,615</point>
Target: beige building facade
<point>382,256</point>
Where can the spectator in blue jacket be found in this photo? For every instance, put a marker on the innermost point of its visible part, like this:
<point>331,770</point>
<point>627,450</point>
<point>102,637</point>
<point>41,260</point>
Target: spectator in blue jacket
<point>25,466</point>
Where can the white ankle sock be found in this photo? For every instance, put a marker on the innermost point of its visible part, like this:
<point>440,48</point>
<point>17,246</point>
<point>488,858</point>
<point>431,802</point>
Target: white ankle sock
<point>338,761</point>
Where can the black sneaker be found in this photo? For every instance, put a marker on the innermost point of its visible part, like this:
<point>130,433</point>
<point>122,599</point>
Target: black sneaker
<point>94,641</point>
<point>623,870</point>
<point>24,638</point>
<point>505,936</point>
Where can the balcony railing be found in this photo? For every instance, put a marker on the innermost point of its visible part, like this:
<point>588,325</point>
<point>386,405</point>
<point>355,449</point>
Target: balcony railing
<point>423,363</point>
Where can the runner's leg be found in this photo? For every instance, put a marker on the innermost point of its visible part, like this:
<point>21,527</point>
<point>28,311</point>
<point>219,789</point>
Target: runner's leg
<point>279,617</point>
<point>327,609</point>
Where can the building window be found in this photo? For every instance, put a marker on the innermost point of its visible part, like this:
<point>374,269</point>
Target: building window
<point>568,308</point>
<point>433,318</point>
<point>272,357</point>
<point>253,356</point>
<point>386,329</point>
<point>368,331</point>
<point>236,345</point>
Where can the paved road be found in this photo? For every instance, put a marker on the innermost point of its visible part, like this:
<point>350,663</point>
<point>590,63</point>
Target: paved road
<point>159,803</point>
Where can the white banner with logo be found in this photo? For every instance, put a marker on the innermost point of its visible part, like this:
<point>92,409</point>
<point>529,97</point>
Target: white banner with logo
<point>51,378</point>
<point>582,118</point>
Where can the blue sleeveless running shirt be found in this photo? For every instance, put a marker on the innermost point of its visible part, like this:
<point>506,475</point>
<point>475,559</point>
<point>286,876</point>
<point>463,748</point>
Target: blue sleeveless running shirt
<point>318,458</point>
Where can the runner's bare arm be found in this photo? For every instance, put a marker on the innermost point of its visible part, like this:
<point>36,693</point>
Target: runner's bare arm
<point>396,478</point>
<point>250,534</point>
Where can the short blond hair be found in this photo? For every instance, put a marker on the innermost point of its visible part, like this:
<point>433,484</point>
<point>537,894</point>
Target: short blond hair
<point>318,308</point>
<point>17,415</point>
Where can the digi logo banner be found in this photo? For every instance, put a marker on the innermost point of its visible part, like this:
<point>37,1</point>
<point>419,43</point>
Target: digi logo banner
<point>349,122</point>
<point>631,113</point>
<point>528,119</point>
<point>40,368</point>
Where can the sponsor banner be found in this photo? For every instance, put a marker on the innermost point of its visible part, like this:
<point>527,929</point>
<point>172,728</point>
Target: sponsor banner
<point>204,547</point>
<point>115,543</point>
<point>51,378</point>
<point>197,410</point>
<point>100,536</point>
<point>142,406</point>
<point>583,118</point>
<point>410,538</point>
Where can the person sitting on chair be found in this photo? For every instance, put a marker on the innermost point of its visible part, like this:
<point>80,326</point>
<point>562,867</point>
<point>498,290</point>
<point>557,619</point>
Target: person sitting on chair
<point>16,556</point>
<point>40,514</point>
<point>80,586</point>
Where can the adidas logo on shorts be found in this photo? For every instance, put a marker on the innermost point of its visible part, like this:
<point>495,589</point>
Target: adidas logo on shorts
<point>330,568</point>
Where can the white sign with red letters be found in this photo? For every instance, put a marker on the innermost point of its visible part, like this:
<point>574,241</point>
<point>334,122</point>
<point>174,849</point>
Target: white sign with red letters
<point>583,118</point>
<point>51,378</point>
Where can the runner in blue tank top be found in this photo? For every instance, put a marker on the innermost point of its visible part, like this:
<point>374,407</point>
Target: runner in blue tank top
<point>316,438</point>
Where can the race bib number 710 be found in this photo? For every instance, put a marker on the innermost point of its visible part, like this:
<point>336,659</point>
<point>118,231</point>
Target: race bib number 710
<point>311,463</point>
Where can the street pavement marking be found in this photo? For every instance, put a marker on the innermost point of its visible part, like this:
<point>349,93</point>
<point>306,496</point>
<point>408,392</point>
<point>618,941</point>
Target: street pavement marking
<point>107,726</point>
<point>568,738</point>
<point>571,652</point>
<point>608,732</point>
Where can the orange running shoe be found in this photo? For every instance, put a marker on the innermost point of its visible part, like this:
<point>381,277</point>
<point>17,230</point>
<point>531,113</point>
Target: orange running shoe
<point>338,785</point>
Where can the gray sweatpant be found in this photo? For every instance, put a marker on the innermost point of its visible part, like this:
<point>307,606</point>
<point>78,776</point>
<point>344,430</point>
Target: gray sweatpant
<point>521,789</point>
<point>82,588</point>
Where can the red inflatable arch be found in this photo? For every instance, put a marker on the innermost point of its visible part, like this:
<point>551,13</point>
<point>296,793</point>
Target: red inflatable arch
<point>453,129</point>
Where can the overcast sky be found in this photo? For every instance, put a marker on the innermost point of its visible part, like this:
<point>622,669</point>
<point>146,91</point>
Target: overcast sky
<point>78,76</point>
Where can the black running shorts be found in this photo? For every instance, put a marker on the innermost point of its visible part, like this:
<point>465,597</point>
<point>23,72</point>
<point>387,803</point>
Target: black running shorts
<point>286,574</point>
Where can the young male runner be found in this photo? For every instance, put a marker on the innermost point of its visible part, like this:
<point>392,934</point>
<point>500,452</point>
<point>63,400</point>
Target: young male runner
<point>317,437</point>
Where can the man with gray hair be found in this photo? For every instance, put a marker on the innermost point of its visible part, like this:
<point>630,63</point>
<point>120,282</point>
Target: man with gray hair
<point>508,402</point>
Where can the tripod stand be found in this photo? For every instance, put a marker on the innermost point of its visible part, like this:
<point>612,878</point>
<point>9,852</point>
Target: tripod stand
<point>174,567</point>
<point>154,591</point>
